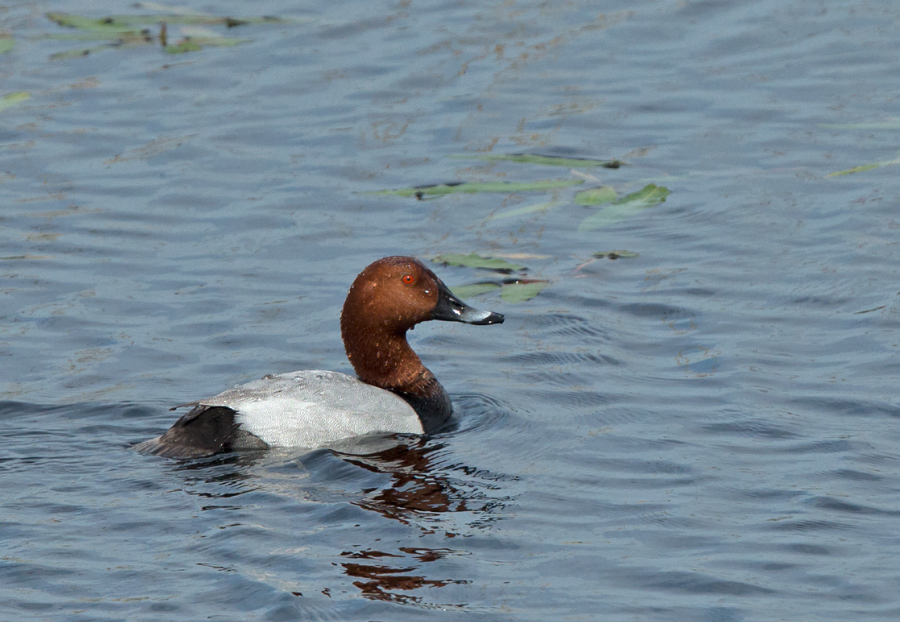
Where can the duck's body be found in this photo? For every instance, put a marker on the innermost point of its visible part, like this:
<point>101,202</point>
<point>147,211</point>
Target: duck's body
<point>309,408</point>
<point>395,392</point>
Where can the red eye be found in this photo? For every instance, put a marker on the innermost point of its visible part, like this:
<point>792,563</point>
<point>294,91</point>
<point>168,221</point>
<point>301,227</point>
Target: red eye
<point>409,279</point>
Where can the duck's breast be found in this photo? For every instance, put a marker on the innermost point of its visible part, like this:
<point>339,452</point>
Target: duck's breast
<point>313,408</point>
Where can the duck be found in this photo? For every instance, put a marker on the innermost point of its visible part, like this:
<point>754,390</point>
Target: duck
<point>392,393</point>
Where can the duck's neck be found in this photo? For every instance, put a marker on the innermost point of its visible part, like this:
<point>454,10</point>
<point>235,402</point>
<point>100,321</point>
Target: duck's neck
<point>385,360</point>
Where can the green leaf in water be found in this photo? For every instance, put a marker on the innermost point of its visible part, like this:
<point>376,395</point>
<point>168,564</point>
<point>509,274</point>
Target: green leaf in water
<point>78,52</point>
<point>226,42</point>
<point>85,35</point>
<point>629,205</point>
<point>474,289</point>
<point>119,23</point>
<point>6,43</point>
<point>105,24</point>
<point>532,158</point>
<point>166,8</point>
<point>864,167</point>
<point>474,260</point>
<point>184,20</point>
<point>497,186</point>
<point>183,46</point>
<point>615,255</point>
<point>648,196</point>
<point>522,290</point>
<point>179,20</point>
<point>857,169</point>
<point>596,196</point>
<point>10,100</point>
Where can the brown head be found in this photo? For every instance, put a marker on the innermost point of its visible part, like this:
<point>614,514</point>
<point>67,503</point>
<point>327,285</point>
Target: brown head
<point>387,299</point>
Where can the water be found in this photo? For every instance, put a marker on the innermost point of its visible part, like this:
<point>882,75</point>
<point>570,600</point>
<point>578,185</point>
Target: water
<point>707,431</point>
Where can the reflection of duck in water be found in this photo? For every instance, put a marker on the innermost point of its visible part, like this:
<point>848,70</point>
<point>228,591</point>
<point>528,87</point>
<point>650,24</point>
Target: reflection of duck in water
<point>394,392</point>
<point>413,487</point>
<point>381,582</point>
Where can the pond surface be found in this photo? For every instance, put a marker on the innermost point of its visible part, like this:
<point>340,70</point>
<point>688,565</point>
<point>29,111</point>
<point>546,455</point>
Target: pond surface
<point>703,428</point>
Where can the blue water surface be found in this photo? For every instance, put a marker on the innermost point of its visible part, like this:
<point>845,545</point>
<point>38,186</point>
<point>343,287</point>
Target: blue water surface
<point>706,431</point>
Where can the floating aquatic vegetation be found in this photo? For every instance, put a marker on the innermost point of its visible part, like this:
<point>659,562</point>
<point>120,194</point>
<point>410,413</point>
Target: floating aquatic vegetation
<point>522,290</point>
<point>166,8</point>
<point>533,158</point>
<point>516,289</point>
<point>7,43</point>
<point>473,187</point>
<point>512,290</point>
<point>596,196</point>
<point>11,99</point>
<point>124,23</point>
<point>856,169</point>
<point>105,26</point>
<point>474,260</point>
<point>25,257</point>
<point>864,167</point>
<point>78,52</point>
<point>132,30</point>
<point>870,310</point>
<point>629,205</point>
<point>615,255</point>
<point>475,289</point>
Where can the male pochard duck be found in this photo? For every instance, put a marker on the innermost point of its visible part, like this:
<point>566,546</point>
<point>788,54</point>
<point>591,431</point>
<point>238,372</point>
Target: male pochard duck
<point>394,391</point>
